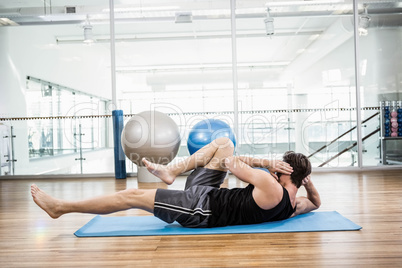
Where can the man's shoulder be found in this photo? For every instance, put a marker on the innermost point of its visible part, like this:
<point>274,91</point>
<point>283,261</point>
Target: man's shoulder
<point>268,197</point>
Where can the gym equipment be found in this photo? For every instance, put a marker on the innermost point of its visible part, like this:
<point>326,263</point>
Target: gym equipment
<point>150,225</point>
<point>153,135</point>
<point>206,131</point>
<point>391,130</point>
<point>392,118</point>
<point>119,159</point>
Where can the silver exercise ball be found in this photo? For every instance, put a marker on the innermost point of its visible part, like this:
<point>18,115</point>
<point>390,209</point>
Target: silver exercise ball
<point>152,135</point>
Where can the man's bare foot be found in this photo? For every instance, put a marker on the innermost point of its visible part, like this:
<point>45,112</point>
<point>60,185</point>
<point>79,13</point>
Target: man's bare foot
<point>49,204</point>
<point>160,171</point>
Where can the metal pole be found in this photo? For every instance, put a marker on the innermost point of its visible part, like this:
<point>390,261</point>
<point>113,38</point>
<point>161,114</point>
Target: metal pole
<point>357,81</point>
<point>234,71</point>
<point>80,140</point>
<point>112,54</point>
<point>12,136</point>
<point>81,148</point>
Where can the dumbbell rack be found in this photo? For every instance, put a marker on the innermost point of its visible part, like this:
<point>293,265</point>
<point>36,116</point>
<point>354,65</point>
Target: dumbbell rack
<point>386,108</point>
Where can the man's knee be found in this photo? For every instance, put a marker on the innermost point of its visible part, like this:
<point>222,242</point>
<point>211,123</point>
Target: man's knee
<point>225,148</point>
<point>224,143</point>
<point>139,198</point>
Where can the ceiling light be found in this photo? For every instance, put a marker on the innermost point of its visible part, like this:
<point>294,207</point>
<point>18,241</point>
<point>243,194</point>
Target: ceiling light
<point>303,3</point>
<point>269,24</point>
<point>88,36</point>
<point>7,22</point>
<point>364,21</point>
<point>141,9</point>
<point>184,17</point>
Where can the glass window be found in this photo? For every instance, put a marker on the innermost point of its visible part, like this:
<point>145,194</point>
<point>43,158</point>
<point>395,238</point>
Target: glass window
<point>61,133</point>
<point>295,72</point>
<point>380,60</point>
<point>299,81</point>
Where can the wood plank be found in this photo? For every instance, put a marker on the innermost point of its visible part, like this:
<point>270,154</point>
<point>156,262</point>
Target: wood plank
<point>372,199</point>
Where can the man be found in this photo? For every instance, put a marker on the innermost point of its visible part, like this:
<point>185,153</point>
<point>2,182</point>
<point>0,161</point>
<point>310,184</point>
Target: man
<point>268,197</point>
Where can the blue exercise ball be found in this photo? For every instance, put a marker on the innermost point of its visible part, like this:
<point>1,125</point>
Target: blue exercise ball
<point>204,132</point>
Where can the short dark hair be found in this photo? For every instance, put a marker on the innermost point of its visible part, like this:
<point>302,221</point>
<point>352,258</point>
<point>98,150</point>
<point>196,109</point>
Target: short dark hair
<point>301,166</point>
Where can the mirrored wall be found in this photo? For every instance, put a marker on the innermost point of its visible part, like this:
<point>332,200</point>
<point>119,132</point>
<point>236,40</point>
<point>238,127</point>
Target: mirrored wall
<point>284,75</point>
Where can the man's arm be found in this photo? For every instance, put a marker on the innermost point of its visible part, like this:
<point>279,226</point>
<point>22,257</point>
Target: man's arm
<point>267,192</point>
<point>244,171</point>
<point>309,203</point>
<point>272,165</point>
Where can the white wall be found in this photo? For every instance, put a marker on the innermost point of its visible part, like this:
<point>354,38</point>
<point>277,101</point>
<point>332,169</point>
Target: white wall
<point>32,51</point>
<point>12,100</point>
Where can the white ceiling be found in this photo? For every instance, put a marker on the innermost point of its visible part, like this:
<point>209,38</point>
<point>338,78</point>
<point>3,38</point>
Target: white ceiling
<point>149,40</point>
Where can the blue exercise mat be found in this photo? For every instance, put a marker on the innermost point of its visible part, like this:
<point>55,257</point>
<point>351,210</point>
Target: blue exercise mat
<point>150,225</point>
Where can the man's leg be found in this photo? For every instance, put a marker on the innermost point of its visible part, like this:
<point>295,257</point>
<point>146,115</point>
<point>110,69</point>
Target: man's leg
<point>211,156</point>
<point>123,200</point>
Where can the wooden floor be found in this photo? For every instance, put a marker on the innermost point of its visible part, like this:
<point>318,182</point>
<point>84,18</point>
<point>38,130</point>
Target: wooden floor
<point>372,199</point>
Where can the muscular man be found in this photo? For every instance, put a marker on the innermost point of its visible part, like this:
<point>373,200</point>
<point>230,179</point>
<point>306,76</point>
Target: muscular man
<point>268,197</point>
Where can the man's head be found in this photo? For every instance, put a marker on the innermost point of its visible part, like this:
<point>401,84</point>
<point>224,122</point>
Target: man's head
<point>300,164</point>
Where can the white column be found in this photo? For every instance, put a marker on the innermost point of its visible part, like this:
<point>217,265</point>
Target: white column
<point>301,137</point>
<point>112,55</point>
<point>357,82</point>
<point>234,70</point>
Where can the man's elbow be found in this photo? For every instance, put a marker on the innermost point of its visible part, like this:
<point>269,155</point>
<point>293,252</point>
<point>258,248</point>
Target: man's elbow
<point>317,204</point>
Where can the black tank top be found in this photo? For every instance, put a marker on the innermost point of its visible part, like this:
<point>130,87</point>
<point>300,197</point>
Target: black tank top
<point>237,206</point>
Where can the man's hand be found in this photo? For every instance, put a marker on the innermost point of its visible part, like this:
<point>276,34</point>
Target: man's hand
<point>279,166</point>
<point>306,180</point>
<point>272,165</point>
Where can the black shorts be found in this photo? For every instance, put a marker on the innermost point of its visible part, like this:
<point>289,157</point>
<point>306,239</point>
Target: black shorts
<point>190,207</point>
